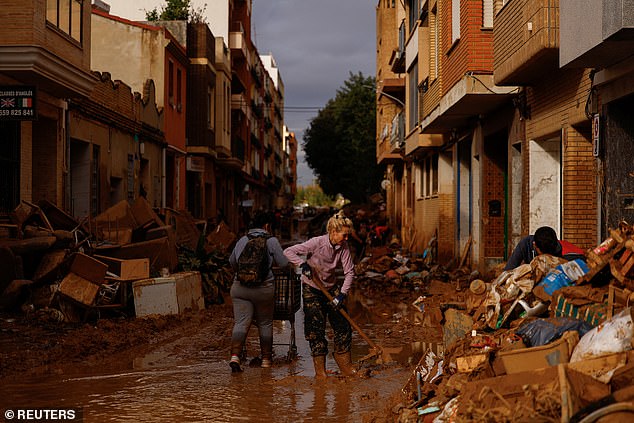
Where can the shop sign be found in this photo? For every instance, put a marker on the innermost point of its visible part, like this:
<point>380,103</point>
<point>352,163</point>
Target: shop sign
<point>17,102</point>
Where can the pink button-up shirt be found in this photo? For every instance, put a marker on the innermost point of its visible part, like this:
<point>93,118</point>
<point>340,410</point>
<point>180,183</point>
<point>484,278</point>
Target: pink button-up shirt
<point>323,258</point>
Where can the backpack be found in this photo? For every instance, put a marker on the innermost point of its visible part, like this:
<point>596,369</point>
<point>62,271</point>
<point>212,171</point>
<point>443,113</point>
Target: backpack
<point>253,263</point>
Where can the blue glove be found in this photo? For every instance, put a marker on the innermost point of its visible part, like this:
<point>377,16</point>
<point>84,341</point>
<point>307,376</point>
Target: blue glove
<point>306,270</point>
<point>337,302</point>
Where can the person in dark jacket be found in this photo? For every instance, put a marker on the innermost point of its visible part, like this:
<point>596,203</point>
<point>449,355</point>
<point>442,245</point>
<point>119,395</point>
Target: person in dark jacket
<point>255,302</point>
<point>544,241</point>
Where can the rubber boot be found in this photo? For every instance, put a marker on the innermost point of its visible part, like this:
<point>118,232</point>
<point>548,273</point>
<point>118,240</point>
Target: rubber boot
<point>235,362</point>
<point>319,362</point>
<point>344,361</point>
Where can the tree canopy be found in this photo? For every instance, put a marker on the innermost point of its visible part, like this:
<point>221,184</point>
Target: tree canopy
<point>313,195</point>
<point>176,10</point>
<point>340,143</point>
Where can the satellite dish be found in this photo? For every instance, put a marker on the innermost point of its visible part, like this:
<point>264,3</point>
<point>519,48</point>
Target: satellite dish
<point>385,184</point>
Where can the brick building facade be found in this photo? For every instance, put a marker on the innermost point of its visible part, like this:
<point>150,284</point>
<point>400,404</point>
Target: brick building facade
<point>498,140</point>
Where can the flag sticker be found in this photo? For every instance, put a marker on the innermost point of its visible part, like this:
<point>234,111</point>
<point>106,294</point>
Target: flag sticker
<point>7,102</point>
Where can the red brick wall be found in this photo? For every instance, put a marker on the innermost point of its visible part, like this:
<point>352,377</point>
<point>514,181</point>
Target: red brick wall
<point>473,51</point>
<point>559,102</point>
<point>580,188</point>
<point>24,23</point>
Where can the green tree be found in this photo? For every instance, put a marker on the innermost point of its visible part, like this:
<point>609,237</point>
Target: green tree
<point>340,142</point>
<point>313,195</point>
<point>177,10</point>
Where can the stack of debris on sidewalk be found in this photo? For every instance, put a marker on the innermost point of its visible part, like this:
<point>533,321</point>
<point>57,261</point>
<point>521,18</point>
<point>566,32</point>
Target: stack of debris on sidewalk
<point>118,263</point>
<point>548,341</point>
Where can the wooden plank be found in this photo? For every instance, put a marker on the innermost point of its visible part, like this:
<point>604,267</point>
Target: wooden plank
<point>465,252</point>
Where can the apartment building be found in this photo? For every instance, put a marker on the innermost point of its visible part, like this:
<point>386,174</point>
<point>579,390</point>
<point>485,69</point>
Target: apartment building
<point>144,52</point>
<point>290,167</point>
<point>276,153</point>
<point>44,62</point>
<point>257,99</point>
<point>597,43</point>
<point>116,146</point>
<point>554,174</point>
<point>390,114</point>
<point>496,138</point>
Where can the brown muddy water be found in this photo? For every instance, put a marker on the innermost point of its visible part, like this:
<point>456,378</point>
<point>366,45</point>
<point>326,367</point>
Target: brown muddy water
<point>181,381</point>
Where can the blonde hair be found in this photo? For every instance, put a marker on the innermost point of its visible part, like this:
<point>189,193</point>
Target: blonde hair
<point>338,221</point>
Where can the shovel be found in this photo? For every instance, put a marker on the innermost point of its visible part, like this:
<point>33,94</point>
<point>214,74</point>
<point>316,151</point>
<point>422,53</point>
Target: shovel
<point>375,350</point>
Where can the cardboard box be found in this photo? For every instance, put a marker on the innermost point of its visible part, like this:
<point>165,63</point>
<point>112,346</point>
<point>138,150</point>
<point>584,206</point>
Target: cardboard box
<point>88,268</point>
<point>527,359</point>
<point>169,295</point>
<point>469,363</point>
<point>552,389</point>
<point>79,289</point>
<point>129,269</point>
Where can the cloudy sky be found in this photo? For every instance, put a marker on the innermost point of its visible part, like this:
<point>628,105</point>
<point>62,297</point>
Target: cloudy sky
<point>316,44</point>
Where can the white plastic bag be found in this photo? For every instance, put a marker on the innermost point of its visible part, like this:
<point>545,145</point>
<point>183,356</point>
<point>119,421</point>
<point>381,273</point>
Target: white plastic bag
<point>612,336</point>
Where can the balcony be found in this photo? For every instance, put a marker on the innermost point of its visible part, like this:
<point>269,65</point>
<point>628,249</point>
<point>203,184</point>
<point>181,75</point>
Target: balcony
<point>204,142</point>
<point>472,96</point>
<point>236,161</point>
<point>391,141</point>
<point>525,41</point>
<point>237,41</point>
<point>392,87</point>
<point>595,33</point>
<point>239,103</point>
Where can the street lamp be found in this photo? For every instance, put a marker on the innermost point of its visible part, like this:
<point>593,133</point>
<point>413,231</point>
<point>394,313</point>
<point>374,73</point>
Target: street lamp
<point>391,97</point>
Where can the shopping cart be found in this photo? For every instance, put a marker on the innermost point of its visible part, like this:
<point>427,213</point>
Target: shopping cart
<point>288,293</point>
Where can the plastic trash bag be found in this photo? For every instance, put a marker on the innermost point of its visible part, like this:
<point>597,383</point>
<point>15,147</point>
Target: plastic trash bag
<point>611,336</point>
<point>544,331</point>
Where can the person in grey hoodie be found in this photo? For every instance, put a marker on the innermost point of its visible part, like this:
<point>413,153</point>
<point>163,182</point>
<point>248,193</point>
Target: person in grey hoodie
<point>255,302</point>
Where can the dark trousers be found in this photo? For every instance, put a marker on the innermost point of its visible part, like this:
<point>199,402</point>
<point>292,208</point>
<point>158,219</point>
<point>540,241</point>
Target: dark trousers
<point>317,309</point>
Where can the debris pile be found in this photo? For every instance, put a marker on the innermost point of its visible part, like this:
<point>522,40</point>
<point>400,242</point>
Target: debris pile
<point>57,268</point>
<point>547,341</point>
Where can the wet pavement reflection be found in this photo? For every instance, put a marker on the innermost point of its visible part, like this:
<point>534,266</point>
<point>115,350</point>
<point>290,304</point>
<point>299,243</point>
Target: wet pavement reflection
<point>182,382</point>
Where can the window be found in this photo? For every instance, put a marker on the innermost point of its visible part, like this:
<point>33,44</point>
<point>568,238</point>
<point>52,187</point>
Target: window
<point>170,83</point>
<point>413,96</point>
<point>414,13</point>
<point>179,90</point>
<point>226,106</point>
<point>418,180</point>
<point>487,13</point>
<point>429,177</point>
<point>66,15</point>
<point>210,108</point>
<point>455,20</point>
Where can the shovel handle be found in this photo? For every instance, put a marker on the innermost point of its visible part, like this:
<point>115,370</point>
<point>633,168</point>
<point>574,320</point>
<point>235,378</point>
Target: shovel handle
<point>345,314</point>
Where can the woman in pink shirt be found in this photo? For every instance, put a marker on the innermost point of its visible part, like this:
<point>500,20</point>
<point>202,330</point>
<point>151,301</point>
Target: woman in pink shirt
<point>319,257</point>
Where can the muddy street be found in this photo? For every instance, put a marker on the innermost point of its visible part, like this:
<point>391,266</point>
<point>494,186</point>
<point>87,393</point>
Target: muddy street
<point>188,379</point>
